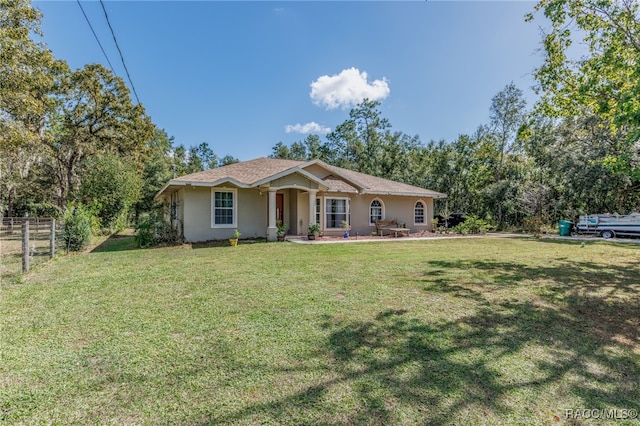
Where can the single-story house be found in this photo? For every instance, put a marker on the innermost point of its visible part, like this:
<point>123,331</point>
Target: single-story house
<point>252,196</point>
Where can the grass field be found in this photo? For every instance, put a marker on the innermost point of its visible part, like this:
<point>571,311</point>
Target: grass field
<point>461,331</point>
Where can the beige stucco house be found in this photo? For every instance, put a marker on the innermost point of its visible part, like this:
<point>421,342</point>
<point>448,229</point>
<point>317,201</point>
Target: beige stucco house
<point>252,196</point>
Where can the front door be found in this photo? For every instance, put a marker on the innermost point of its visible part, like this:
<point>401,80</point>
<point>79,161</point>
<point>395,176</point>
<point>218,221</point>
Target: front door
<point>280,208</point>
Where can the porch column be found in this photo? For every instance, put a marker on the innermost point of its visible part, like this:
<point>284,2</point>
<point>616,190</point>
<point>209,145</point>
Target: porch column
<point>312,206</point>
<point>272,231</point>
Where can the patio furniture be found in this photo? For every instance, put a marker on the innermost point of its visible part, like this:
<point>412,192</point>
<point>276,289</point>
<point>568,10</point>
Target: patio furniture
<point>385,225</point>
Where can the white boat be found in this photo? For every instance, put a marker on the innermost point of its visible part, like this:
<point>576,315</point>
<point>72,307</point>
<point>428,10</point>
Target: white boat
<point>609,225</point>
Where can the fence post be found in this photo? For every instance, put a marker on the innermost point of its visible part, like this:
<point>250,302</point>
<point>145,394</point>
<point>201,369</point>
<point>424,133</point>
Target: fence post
<point>52,239</point>
<point>25,245</point>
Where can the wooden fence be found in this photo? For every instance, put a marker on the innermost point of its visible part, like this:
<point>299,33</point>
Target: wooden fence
<point>25,241</point>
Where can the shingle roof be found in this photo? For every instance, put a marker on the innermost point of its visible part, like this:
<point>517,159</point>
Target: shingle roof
<point>339,185</point>
<point>246,172</point>
<point>374,184</point>
<point>338,179</point>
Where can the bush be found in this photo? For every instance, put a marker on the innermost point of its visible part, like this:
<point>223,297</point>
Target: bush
<point>77,228</point>
<point>534,225</point>
<point>472,225</point>
<point>154,229</point>
<point>145,232</point>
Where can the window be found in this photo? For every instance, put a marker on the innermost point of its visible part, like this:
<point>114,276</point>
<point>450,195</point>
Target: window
<point>336,211</point>
<point>375,211</point>
<point>224,209</point>
<point>418,213</point>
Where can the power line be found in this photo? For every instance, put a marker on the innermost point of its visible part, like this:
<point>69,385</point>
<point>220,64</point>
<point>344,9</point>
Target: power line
<point>119,51</point>
<point>96,36</point>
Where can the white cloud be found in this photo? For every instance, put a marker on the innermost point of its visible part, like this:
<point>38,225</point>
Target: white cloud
<point>307,128</point>
<point>347,89</point>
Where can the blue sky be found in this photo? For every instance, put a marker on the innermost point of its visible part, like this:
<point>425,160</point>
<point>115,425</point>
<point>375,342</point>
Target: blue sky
<point>243,76</point>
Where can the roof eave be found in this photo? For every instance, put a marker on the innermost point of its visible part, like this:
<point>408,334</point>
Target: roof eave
<point>343,191</point>
<point>190,183</point>
<point>435,195</point>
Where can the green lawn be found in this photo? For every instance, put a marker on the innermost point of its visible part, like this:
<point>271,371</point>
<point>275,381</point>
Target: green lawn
<point>465,331</point>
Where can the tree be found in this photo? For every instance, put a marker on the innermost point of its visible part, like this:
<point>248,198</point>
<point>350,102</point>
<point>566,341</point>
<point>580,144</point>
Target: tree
<point>363,143</point>
<point>567,160</point>
<point>227,160</point>
<point>157,170</point>
<point>111,186</point>
<point>201,158</point>
<point>507,113</point>
<point>605,81</point>
<point>313,147</point>
<point>15,165</point>
<point>358,142</point>
<point>28,74</point>
<point>308,149</point>
<point>94,115</point>
<point>280,150</point>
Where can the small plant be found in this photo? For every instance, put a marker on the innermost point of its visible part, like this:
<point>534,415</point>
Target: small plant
<point>314,229</point>
<point>233,241</point>
<point>345,225</point>
<point>282,227</point>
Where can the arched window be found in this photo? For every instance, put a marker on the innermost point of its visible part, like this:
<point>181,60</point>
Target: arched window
<point>419,217</point>
<point>376,211</point>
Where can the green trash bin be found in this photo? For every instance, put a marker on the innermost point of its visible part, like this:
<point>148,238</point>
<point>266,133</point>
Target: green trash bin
<point>564,228</point>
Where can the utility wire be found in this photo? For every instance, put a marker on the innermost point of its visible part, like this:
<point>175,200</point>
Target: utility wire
<point>96,36</point>
<point>119,51</point>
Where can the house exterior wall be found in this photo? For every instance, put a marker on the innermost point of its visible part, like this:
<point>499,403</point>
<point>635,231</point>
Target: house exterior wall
<point>251,215</point>
<point>400,208</point>
<point>194,213</point>
<point>303,213</point>
<point>292,208</point>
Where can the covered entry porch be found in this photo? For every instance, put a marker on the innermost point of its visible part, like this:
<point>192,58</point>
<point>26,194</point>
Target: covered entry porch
<point>292,200</point>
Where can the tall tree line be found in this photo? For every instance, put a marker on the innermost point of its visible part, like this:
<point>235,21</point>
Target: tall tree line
<point>519,166</point>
